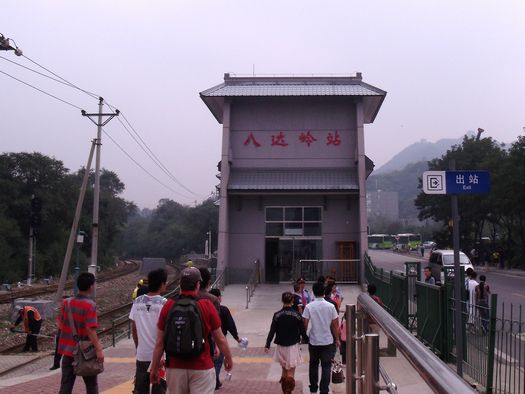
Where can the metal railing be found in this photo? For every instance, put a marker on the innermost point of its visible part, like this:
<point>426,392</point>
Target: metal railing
<point>115,337</point>
<point>253,281</point>
<point>344,271</point>
<point>363,353</point>
<point>221,279</point>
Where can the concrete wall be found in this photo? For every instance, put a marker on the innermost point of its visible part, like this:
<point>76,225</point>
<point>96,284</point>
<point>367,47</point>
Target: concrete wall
<point>264,118</point>
<point>247,227</point>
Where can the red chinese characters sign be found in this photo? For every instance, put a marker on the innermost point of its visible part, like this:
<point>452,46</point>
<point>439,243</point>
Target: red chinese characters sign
<point>305,137</point>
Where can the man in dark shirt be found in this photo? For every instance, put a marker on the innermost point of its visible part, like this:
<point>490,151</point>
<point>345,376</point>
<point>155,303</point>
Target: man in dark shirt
<point>227,325</point>
<point>327,296</point>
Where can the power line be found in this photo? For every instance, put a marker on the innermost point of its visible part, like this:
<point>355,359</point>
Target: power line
<point>152,155</point>
<point>143,169</point>
<point>96,96</point>
<point>41,91</point>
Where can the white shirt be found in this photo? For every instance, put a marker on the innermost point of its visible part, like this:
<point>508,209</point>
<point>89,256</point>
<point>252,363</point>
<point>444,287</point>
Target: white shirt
<point>321,313</point>
<point>145,313</point>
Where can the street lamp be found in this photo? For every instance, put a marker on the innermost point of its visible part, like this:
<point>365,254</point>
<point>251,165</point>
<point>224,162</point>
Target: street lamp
<point>6,46</point>
<point>79,242</point>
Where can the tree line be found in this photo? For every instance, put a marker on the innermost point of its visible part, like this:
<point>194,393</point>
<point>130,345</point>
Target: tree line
<point>492,222</point>
<point>167,231</point>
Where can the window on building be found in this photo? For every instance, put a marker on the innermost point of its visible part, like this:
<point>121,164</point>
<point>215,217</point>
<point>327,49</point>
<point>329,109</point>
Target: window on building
<point>293,221</point>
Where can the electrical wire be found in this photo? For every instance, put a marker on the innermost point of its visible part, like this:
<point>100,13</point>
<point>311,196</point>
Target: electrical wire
<point>142,144</point>
<point>152,155</point>
<point>41,91</point>
<point>143,169</point>
<point>93,95</point>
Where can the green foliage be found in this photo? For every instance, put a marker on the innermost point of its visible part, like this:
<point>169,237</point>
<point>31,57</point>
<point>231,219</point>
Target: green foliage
<point>23,175</point>
<point>171,230</point>
<point>499,214</point>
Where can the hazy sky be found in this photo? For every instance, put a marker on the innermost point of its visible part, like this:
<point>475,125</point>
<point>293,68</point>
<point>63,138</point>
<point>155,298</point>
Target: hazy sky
<point>448,67</point>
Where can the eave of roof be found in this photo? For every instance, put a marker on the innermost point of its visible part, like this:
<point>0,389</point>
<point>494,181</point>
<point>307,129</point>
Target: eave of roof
<point>241,87</point>
<point>262,179</point>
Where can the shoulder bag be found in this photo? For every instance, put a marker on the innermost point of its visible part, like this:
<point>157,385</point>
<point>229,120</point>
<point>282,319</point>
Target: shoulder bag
<point>84,354</point>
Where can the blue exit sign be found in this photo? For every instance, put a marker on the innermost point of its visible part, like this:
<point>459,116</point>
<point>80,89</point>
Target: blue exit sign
<point>456,182</point>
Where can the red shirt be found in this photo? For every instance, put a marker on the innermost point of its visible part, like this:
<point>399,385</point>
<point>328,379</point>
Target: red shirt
<point>210,322</point>
<point>84,314</point>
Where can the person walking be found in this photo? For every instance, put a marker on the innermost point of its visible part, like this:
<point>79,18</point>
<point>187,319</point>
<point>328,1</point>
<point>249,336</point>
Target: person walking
<point>324,338</point>
<point>482,292</point>
<point>84,316</point>
<point>470,286</point>
<point>194,372</point>
<point>428,276</point>
<point>32,324</point>
<point>144,315</point>
<point>288,328</point>
<point>305,294</point>
<point>227,325</point>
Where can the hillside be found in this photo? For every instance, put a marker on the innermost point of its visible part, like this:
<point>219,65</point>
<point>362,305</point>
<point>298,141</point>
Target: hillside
<point>418,151</point>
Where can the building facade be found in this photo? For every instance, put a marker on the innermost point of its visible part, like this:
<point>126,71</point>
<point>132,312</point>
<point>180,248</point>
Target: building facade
<point>292,171</point>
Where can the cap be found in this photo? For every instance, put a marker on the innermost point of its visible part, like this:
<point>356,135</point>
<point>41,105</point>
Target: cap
<point>191,275</point>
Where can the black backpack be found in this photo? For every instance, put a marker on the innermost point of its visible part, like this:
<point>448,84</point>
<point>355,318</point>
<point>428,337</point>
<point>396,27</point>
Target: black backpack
<point>183,332</point>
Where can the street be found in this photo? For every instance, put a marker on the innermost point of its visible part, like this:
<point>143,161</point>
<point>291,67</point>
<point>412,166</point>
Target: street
<point>508,285</point>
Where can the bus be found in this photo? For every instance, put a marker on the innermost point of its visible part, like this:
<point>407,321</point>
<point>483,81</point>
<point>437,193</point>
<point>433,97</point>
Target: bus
<point>408,241</point>
<point>380,241</point>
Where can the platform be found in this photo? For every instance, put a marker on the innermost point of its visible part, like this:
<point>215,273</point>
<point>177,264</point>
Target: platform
<point>254,371</point>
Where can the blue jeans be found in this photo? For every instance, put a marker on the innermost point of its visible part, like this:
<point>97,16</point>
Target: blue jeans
<point>325,355</point>
<point>218,365</point>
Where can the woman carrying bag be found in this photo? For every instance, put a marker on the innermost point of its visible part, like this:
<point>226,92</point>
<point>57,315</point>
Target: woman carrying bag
<point>288,329</point>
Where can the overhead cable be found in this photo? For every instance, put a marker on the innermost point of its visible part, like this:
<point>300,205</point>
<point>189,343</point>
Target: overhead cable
<point>151,154</point>
<point>96,96</point>
<point>41,91</point>
<point>143,169</point>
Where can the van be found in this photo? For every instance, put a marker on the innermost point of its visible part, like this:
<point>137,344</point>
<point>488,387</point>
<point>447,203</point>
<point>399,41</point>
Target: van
<point>445,258</point>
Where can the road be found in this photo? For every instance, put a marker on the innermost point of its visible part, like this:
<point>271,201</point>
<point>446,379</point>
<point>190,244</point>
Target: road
<point>508,285</point>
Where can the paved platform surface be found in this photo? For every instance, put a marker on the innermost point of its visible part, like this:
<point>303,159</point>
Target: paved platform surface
<point>254,371</point>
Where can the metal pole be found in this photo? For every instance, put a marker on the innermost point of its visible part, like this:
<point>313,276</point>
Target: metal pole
<point>77,266</point>
<point>458,320</point>
<point>30,256</point>
<point>350,349</point>
<point>492,343</point>
<point>247,296</point>
<point>74,227</point>
<point>372,364</point>
<point>359,351</point>
<point>96,194</point>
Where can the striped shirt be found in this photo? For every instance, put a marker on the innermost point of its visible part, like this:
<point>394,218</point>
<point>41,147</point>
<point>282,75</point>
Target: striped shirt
<point>84,313</point>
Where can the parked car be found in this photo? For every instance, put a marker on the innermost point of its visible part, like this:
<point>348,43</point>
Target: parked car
<point>440,258</point>
<point>429,244</point>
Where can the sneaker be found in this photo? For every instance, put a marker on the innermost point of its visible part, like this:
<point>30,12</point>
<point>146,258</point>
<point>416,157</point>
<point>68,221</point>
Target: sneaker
<point>54,367</point>
<point>218,386</point>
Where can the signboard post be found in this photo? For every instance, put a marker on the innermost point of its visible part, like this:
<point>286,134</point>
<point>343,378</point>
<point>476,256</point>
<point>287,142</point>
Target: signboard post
<point>454,183</point>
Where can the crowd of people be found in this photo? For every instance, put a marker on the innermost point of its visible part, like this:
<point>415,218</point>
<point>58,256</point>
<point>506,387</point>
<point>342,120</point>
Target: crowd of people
<point>181,344</point>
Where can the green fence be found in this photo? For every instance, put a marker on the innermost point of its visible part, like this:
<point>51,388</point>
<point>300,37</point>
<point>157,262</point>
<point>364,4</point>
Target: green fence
<point>494,344</point>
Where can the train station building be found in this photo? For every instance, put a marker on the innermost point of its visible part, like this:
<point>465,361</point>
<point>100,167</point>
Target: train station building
<point>292,172</point>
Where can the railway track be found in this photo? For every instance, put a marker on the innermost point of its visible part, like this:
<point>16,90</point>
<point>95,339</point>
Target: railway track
<point>105,321</point>
<point>31,292</point>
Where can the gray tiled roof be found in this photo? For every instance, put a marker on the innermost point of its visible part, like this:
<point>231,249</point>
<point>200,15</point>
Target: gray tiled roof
<point>242,87</point>
<point>335,179</point>
<point>289,89</point>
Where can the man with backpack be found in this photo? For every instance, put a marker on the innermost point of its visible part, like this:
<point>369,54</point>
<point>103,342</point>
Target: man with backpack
<point>184,326</point>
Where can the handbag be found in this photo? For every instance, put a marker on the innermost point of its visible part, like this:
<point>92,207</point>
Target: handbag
<point>338,375</point>
<point>84,354</point>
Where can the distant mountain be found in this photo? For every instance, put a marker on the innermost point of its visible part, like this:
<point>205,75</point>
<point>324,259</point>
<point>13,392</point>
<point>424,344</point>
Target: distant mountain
<point>419,151</point>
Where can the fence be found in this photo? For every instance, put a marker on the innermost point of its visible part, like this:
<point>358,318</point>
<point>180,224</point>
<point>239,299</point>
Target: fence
<point>253,281</point>
<point>363,363</point>
<point>344,271</point>
<point>493,348</point>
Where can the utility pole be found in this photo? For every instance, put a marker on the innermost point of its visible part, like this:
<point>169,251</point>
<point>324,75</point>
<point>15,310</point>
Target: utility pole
<point>74,227</point>
<point>96,195</point>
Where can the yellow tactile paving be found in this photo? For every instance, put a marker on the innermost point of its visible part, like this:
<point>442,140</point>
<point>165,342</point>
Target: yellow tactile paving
<point>121,388</point>
<point>119,360</point>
